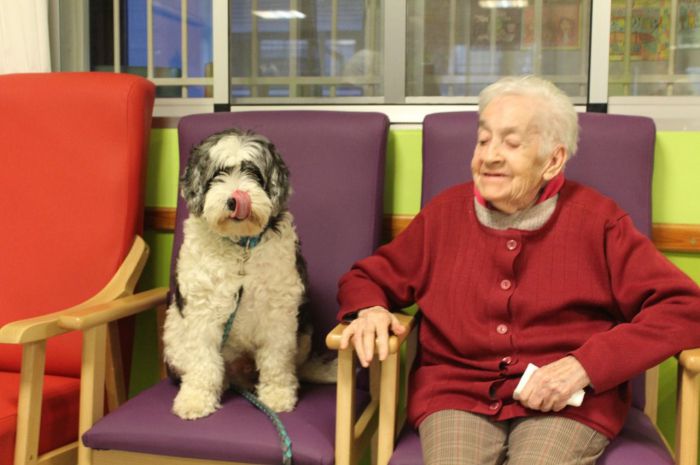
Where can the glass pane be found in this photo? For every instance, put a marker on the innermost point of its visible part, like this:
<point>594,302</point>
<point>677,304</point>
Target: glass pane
<point>101,36</point>
<point>167,54</point>
<point>644,58</point>
<point>316,49</point>
<point>457,47</point>
<point>200,50</point>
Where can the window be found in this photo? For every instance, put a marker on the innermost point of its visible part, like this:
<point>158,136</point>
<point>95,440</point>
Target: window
<point>408,52</point>
<point>342,51</point>
<point>655,47</point>
<point>168,41</point>
<point>455,48</point>
<point>300,50</point>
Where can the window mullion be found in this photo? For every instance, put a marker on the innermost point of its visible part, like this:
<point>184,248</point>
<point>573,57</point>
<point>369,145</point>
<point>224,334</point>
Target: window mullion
<point>255,50</point>
<point>600,52</point>
<point>184,51</point>
<point>221,43</point>
<point>537,39</point>
<point>451,46</point>
<point>672,53</point>
<point>149,39</point>
<point>294,43</point>
<point>116,36</point>
<point>394,16</point>
<point>370,28</point>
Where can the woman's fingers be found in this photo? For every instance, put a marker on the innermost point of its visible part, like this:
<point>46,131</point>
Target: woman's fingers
<point>369,328</point>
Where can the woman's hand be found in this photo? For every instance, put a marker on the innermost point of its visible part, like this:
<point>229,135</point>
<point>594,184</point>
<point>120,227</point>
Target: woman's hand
<point>550,386</point>
<point>371,324</point>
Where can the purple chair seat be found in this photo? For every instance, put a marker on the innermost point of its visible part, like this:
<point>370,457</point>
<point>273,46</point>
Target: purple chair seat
<point>237,432</point>
<point>638,443</point>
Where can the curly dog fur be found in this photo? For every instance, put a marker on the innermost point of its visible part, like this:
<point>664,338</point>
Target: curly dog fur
<point>240,253</point>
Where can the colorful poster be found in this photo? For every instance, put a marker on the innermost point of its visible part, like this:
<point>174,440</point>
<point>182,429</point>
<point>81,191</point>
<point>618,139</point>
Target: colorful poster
<point>561,24</point>
<point>688,27</point>
<point>508,28</point>
<point>649,24</point>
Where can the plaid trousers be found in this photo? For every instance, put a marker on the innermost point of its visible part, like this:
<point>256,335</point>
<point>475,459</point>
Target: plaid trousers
<point>455,437</point>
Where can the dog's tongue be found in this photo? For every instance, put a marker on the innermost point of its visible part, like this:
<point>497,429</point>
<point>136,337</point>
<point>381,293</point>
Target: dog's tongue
<point>242,210</point>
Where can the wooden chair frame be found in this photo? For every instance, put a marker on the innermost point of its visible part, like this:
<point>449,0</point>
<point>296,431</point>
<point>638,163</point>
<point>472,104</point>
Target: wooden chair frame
<point>392,420</point>
<point>32,334</point>
<point>352,438</point>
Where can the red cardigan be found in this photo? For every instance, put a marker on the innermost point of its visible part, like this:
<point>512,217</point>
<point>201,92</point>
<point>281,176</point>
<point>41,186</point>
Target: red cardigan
<point>587,284</point>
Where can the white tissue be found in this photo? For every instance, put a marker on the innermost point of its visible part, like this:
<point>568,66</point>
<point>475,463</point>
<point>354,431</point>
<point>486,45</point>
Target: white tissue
<point>575,400</point>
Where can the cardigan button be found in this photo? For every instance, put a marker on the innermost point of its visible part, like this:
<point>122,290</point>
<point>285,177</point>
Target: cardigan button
<point>502,329</point>
<point>505,363</point>
<point>506,284</point>
<point>511,244</point>
<point>495,405</point>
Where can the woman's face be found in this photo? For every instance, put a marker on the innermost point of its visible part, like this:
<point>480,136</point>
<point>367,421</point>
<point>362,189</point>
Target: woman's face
<point>507,166</point>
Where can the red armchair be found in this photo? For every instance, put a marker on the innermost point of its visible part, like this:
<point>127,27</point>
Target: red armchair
<point>73,162</point>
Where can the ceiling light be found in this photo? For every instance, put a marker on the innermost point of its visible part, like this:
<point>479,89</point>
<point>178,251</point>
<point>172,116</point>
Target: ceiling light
<point>503,3</point>
<point>279,14</point>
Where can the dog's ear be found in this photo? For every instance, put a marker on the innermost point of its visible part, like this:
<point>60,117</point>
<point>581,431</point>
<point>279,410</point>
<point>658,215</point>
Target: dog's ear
<point>193,181</point>
<point>277,178</point>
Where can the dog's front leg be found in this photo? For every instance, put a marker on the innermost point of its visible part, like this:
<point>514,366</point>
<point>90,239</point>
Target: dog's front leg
<point>278,384</point>
<point>193,351</point>
<point>199,395</point>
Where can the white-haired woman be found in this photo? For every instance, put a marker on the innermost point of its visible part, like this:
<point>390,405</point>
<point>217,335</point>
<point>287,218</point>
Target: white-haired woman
<point>519,267</point>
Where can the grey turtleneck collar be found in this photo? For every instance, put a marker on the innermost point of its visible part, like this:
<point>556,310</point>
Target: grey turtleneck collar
<point>527,220</point>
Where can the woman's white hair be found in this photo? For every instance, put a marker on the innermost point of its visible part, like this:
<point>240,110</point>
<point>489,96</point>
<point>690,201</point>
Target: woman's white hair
<point>556,119</point>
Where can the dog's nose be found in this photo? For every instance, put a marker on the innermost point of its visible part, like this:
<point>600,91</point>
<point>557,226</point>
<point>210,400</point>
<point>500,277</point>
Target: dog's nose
<point>239,205</point>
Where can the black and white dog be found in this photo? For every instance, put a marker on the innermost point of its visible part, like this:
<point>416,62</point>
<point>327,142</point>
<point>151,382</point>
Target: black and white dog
<point>240,254</point>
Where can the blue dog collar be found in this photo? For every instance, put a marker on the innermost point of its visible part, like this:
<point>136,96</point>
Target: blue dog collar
<point>248,242</point>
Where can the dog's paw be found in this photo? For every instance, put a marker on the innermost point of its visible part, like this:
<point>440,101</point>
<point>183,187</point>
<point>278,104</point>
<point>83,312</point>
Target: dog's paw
<point>191,403</point>
<point>278,398</point>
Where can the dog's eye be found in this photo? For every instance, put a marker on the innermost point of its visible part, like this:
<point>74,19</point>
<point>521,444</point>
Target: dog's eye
<point>218,175</point>
<point>251,169</point>
<point>223,172</point>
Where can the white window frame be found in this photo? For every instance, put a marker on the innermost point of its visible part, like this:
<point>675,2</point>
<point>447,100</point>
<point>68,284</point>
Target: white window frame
<point>400,109</point>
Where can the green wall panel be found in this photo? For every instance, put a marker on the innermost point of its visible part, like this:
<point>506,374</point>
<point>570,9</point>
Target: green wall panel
<point>402,187</point>
<point>676,189</point>
<point>156,274</point>
<point>162,170</point>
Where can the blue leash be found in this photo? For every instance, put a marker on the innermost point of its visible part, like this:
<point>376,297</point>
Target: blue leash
<point>285,440</point>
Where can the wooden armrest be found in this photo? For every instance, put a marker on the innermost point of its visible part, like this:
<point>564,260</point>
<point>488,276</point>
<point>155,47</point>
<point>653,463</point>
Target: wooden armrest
<point>395,341</point>
<point>80,317</point>
<point>87,317</point>
<point>690,360</point>
<point>30,330</point>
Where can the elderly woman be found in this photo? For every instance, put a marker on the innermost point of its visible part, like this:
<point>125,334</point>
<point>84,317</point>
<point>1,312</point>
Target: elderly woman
<point>521,266</point>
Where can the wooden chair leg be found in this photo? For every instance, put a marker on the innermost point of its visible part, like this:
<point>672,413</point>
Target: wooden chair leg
<point>345,412</point>
<point>688,406</point>
<point>92,381</point>
<point>29,405</point>
<point>651,393</point>
<point>387,407</point>
<point>115,379</point>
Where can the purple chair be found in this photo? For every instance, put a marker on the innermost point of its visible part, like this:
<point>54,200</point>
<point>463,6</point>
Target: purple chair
<point>336,161</point>
<point>615,156</point>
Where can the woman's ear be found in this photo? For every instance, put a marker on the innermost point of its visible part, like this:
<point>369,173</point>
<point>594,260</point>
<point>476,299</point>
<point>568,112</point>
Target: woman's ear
<point>555,163</point>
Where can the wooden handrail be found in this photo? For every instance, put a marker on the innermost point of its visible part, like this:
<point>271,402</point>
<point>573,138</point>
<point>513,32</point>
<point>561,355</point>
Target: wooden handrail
<point>666,237</point>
